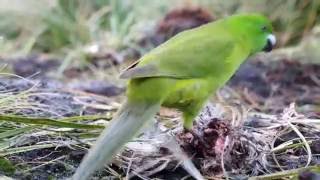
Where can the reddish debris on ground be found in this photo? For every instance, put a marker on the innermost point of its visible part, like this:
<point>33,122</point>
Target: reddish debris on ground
<point>206,141</point>
<point>179,20</point>
<point>175,21</point>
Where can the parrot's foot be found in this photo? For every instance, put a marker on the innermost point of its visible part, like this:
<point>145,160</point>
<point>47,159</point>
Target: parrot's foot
<point>189,135</point>
<point>188,130</point>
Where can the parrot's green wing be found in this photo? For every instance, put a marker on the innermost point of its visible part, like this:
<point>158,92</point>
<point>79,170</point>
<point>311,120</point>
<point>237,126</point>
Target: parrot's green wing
<point>188,55</point>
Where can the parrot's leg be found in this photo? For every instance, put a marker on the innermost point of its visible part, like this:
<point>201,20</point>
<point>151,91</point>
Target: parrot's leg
<point>190,113</point>
<point>188,119</point>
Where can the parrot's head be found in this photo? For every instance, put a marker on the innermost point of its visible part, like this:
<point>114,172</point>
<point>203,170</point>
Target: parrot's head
<point>255,30</point>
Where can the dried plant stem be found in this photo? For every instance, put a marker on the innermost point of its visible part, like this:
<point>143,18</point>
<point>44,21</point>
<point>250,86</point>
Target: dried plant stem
<point>47,121</point>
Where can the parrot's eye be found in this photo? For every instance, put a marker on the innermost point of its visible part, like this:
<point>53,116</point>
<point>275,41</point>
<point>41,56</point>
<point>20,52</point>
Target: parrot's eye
<point>264,28</point>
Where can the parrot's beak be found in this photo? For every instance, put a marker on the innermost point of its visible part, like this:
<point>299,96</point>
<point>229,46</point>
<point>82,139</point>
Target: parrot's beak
<point>271,42</point>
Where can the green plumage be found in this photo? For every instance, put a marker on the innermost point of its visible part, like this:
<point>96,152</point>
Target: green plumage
<point>181,73</point>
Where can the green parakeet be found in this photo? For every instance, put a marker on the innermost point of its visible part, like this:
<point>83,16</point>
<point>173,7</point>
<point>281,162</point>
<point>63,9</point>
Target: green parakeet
<point>181,73</point>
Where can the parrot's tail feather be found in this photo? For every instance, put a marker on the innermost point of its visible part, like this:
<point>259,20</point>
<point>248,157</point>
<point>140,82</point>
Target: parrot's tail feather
<point>127,123</point>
